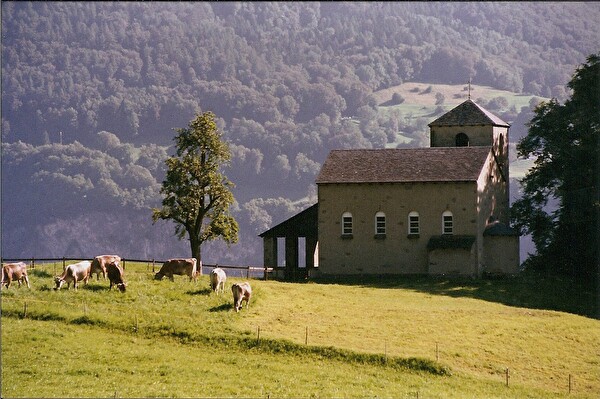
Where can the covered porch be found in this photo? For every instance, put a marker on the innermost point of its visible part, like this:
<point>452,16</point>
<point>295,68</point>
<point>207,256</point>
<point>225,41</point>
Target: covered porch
<point>292,244</point>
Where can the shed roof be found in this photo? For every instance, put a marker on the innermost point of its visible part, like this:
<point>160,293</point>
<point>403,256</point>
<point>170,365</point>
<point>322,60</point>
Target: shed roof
<point>302,224</point>
<point>468,113</point>
<point>437,164</point>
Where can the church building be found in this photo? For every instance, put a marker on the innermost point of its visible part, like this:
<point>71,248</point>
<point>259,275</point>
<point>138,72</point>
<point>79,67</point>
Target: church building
<point>441,210</point>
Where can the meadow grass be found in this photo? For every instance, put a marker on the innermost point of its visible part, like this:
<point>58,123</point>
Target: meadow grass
<point>362,338</point>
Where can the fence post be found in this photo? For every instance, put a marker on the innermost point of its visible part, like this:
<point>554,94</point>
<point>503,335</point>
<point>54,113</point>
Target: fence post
<point>507,375</point>
<point>306,337</point>
<point>570,382</point>
<point>437,352</point>
<point>33,263</point>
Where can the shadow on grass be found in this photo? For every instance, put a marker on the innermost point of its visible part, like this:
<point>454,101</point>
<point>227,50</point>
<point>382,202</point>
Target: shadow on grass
<point>528,289</point>
<point>225,307</point>
<point>95,287</point>
<point>203,291</point>
<point>40,273</point>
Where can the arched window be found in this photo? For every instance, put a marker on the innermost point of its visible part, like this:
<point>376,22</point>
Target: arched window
<point>380,223</point>
<point>347,224</point>
<point>462,140</point>
<point>447,223</point>
<point>413,223</point>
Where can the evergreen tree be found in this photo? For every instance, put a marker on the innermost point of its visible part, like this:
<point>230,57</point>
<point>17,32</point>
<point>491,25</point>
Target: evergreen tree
<point>565,142</point>
<point>197,195</point>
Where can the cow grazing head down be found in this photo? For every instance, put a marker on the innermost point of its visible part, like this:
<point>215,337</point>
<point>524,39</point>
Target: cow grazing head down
<point>115,275</point>
<point>181,267</point>
<point>241,292</point>
<point>73,274</point>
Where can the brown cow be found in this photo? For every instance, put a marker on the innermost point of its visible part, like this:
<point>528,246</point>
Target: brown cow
<point>73,273</point>
<point>241,292</point>
<point>14,271</point>
<point>100,262</point>
<point>180,267</point>
<point>115,275</point>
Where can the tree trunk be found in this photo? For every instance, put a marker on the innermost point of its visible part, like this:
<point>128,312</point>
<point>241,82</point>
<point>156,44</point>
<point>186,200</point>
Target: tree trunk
<point>196,252</point>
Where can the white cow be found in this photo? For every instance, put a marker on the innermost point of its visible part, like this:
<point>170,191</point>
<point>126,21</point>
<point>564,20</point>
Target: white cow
<point>217,280</point>
<point>73,273</point>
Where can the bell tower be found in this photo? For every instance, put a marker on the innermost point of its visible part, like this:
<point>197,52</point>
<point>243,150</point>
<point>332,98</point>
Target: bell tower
<point>470,125</point>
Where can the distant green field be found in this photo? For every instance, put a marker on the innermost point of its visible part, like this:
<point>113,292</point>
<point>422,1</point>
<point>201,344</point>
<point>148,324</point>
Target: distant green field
<point>399,337</point>
<point>420,102</point>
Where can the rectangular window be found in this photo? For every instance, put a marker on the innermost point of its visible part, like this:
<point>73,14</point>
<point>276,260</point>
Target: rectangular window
<point>347,225</point>
<point>413,224</point>
<point>380,225</point>
<point>448,225</point>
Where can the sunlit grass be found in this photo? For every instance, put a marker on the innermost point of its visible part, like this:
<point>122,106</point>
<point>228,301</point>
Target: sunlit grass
<point>164,338</point>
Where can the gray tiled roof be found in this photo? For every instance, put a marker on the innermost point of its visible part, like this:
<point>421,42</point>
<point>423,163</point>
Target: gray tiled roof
<point>437,164</point>
<point>468,114</point>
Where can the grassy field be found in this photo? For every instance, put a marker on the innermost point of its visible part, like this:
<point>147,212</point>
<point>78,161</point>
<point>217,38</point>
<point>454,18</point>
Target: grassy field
<point>420,101</point>
<point>400,337</point>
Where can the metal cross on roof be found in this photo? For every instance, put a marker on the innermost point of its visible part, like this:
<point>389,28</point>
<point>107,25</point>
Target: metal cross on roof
<point>469,88</point>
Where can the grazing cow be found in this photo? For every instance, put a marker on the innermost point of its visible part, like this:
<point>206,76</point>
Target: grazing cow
<point>73,273</point>
<point>180,267</point>
<point>241,292</point>
<point>14,271</point>
<point>217,280</point>
<point>100,262</point>
<point>115,275</point>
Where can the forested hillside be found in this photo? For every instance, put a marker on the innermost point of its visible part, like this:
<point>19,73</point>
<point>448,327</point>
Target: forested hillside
<point>91,92</point>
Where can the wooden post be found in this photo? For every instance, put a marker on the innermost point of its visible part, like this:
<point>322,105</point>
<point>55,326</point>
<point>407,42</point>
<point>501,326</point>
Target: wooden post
<point>437,352</point>
<point>306,337</point>
<point>258,334</point>
<point>153,263</point>
<point>570,382</point>
<point>25,310</point>
<point>507,376</point>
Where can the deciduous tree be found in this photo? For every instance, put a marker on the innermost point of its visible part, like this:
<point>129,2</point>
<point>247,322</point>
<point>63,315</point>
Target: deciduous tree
<point>564,140</point>
<point>197,195</point>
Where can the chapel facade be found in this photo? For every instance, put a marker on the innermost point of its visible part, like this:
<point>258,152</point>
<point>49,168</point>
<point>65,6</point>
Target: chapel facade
<point>440,210</point>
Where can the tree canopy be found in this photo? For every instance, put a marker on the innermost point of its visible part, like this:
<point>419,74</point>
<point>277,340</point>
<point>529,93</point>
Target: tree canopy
<point>564,140</point>
<point>197,195</point>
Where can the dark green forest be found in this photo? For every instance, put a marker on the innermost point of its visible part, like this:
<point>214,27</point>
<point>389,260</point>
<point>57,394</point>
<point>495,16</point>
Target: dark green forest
<point>92,93</point>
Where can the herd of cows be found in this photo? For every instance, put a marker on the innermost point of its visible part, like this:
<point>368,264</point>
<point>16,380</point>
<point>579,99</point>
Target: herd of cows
<point>110,266</point>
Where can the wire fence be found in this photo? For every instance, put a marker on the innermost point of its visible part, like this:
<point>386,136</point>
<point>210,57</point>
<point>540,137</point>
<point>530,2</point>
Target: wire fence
<point>155,264</point>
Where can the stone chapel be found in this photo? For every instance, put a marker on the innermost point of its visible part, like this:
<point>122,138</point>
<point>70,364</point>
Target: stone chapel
<point>440,210</point>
